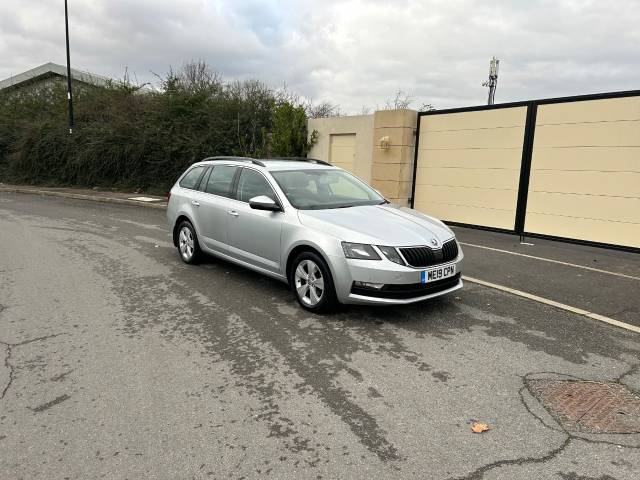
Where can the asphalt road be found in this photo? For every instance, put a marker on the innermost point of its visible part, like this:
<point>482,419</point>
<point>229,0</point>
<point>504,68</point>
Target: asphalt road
<point>119,361</point>
<point>607,294</point>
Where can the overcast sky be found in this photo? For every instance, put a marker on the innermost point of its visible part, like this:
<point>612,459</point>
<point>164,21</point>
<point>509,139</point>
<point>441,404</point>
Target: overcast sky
<point>352,53</point>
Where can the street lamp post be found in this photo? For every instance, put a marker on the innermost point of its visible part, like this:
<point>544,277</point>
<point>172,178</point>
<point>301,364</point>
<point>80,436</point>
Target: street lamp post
<point>69,91</point>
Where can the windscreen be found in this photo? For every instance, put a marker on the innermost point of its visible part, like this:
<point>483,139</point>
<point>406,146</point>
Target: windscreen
<point>325,188</point>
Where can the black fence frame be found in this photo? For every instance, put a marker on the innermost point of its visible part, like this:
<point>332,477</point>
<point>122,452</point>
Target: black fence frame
<point>525,163</point>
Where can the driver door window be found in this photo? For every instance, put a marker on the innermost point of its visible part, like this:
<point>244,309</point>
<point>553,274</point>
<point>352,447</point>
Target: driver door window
<point>253,184</point>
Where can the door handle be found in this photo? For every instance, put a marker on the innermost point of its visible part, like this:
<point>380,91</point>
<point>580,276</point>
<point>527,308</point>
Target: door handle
<point>233,213</point>
<point>194,203</point>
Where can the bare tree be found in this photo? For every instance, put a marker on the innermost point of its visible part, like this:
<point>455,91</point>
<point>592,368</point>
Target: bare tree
<point>284,95</point>
<point>401,100</point>
<point>426,107</point>
<point>404,100</point>
<point>322,110</point>
<point>197,76</point>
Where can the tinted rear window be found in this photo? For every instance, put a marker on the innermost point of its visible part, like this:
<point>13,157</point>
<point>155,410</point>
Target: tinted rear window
<point>190,180</point>
<point>221,180</point>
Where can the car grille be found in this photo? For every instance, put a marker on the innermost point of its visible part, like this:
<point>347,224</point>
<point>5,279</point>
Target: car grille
<point>412,290</point>
<point>449,251</point>
<point>426,257</point>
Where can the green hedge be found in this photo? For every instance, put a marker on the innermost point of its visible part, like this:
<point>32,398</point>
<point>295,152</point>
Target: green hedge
<point>127,137</point>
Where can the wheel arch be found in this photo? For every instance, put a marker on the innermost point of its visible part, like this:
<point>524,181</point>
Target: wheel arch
<point>297,250</point>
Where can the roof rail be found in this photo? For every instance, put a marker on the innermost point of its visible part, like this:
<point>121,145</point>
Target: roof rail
<point>235,159</point>
<point>300,159</point>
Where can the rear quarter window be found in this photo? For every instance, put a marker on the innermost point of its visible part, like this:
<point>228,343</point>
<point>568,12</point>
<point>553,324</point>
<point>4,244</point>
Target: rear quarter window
<point>191,179</point>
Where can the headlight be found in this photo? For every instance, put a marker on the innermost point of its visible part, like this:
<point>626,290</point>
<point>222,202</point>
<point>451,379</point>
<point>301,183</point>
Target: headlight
<point>360,251</point>
<point>391,254</point>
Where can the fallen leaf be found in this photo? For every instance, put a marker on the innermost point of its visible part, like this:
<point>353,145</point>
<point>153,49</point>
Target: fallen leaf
<point>479,427</point>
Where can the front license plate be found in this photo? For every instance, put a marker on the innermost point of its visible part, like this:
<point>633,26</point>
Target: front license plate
<point>438,273</point>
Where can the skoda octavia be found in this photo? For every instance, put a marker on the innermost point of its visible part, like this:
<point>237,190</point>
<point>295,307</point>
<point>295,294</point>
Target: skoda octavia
<point>329,235</point>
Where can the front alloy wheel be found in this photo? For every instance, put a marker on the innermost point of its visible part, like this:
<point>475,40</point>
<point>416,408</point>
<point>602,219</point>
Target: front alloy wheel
<point>309,283</point>
<point>313,284</point>
<point>186,243</point>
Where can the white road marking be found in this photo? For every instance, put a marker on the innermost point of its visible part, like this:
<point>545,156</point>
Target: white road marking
<point>584,267</point>
<point>553,303</point>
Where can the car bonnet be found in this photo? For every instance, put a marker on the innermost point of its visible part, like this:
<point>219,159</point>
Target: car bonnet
<point>377,224</point>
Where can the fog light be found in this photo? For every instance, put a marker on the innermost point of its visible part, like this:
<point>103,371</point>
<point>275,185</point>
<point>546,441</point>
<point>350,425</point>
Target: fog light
<point>374,286</point>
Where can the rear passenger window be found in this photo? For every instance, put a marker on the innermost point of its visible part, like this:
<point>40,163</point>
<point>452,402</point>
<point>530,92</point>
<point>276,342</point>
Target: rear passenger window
<point>220,180</point>
<point>190,180</point>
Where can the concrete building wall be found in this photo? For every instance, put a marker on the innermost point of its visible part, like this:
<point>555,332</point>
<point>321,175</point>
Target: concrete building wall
<point>377,148</point>
<point>393,154</point>
<point>340,132</point>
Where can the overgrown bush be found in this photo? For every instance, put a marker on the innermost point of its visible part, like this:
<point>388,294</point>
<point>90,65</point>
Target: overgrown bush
<point>131,137</point>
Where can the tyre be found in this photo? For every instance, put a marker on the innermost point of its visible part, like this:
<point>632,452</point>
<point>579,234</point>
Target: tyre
<point>188,247</point>
<point>312,283</point>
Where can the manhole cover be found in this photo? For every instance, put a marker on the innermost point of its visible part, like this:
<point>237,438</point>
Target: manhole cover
<point>594,407</point>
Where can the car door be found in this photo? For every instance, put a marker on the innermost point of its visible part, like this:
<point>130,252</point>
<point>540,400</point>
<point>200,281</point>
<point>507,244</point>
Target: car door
<point>254,235</point>
<point>213,203</point>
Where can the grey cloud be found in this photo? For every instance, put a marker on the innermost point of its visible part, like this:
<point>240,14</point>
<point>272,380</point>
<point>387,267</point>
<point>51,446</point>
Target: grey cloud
<point>353,52</point>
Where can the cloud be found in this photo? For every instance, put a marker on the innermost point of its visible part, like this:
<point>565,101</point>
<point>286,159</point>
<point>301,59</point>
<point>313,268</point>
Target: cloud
<point>352,52</point>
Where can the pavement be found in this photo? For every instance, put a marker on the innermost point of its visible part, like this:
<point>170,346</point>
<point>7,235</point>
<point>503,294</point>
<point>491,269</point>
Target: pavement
<point>119,361</point>
<point>94,194</point>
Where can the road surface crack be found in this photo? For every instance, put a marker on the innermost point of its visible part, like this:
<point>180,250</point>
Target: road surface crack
<point>479,473</point>
<point>631,371</point>
<point>7,359</point>
<point>9,367</point>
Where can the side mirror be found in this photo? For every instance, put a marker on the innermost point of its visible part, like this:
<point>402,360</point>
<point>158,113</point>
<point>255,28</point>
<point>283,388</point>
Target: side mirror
<point>263,202</point>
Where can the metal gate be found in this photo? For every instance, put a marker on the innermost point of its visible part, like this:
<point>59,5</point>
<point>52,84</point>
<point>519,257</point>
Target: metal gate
<point>565,168</point>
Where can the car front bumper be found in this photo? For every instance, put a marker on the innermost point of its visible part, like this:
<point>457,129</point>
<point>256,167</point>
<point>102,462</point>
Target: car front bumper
<point>402,285</point>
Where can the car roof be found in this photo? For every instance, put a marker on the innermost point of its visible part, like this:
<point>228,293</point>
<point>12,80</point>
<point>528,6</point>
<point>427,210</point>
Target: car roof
<point>275,163</point>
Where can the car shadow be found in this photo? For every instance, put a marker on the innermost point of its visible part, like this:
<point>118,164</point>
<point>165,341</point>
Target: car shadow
<point>474,309</point>
<point>409,314</point>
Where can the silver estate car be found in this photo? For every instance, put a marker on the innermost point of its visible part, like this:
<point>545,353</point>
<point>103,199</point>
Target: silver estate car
<point>329,235</point>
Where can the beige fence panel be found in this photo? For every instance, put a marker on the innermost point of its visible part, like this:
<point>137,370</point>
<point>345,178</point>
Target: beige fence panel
<point>585,171</point>
<point>468,166</point>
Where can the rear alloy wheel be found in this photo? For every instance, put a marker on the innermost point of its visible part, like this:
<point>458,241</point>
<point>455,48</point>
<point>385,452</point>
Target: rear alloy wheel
<point>188,243</point>
<point>312,283</point>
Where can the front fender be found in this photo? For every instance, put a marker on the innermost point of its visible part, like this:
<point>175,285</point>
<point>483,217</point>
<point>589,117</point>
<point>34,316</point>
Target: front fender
<point>295,236</point>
